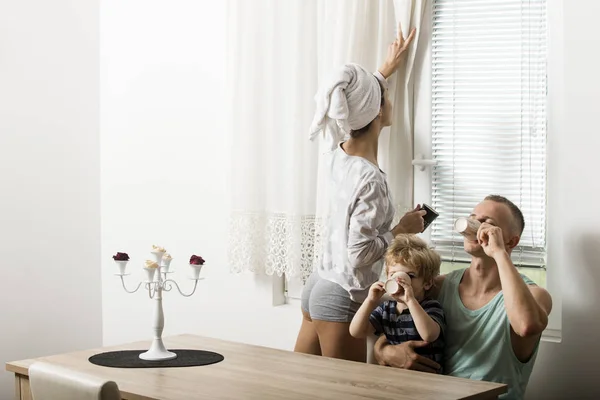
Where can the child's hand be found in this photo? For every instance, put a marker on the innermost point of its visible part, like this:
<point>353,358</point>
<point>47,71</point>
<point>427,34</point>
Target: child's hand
<point>408,294</point>
<point>376,291</point>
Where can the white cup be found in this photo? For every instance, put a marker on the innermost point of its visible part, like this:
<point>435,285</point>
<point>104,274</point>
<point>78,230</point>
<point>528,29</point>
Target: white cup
<point>393,287</point>
<point>122,266</point>
<point>467,227</point>
<point>158,256</point>
<point>150,272</point>
<point>166,263</point>
<point>196,270</point>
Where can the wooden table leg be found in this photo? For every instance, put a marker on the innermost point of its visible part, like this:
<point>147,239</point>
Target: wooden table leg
<point>22,389</point>
<point>17,387</point>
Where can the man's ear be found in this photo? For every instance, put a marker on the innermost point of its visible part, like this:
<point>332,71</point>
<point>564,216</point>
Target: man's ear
<point>513,242</point>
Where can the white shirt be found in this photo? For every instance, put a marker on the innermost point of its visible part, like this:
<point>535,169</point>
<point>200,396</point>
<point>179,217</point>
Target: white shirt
<point>357,227</point>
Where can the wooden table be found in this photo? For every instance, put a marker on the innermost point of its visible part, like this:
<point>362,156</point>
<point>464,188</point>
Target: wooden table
<point>253,372</point>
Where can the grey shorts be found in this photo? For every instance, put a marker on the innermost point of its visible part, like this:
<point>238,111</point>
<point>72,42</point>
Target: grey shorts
<point>324,300</point>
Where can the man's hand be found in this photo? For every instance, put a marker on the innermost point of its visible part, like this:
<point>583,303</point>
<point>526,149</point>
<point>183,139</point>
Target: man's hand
<point>411,222</point>
<point>491,240</point>
<point>396,51</point>
<point>404,356</point>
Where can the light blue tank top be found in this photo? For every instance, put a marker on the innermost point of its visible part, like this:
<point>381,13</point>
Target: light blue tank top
<point>478,344</point>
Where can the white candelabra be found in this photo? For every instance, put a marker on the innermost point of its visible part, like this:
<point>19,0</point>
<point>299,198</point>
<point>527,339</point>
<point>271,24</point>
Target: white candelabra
<point>156,282</point>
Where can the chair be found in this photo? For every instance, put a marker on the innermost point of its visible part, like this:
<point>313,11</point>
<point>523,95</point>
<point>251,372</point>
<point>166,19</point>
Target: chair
<point>53,382</point>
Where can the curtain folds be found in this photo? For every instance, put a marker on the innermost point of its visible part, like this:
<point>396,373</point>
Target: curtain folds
<point>278,52</point>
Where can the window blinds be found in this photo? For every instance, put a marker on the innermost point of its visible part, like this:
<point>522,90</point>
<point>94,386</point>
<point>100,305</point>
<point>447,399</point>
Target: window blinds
<point>489,116</point>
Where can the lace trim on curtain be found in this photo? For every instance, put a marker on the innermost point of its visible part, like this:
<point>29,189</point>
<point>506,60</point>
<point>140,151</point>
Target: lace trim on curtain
<point>274,243</point>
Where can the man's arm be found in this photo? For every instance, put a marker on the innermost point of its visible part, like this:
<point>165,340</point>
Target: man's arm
<point>527,310</point>
<point>403,356</point>
<point>527,307</point>
<point>524,347</point>
<point>379,352</point>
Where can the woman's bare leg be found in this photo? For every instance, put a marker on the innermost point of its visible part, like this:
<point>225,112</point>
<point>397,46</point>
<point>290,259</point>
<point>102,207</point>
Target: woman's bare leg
<point>308,340</point>
<point>336,341</point>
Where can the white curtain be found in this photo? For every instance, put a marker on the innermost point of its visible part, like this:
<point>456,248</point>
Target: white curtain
<point>272,76</point>
<point>278,51</point>
<point>396,145</point>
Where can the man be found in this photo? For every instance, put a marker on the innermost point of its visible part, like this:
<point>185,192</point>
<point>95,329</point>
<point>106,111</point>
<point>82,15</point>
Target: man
<point>495,316</point>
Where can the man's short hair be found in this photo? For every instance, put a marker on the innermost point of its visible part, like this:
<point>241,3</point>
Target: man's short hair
<point>514,210</point>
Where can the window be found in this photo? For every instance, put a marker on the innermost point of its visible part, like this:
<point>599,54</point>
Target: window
<point>481,115</point>
<point>488,117</point>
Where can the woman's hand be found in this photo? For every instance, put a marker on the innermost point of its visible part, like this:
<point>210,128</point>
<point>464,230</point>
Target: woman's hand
<point>396,52</point>
<point>411,222</point>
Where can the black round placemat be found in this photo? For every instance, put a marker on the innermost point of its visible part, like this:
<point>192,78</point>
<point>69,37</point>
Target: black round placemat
<point>131,359</point>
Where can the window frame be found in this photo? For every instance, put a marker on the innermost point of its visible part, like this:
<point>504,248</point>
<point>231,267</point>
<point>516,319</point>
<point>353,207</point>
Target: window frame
<point>422,148</point>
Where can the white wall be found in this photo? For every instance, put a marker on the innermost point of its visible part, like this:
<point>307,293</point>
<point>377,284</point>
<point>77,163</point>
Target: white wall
<point>163,148</point>
<point>164,169</point>
<point>569,370</point>
<point>163,182</point>
<point>50,176</point>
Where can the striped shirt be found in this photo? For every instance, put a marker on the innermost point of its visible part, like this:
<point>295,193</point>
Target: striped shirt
<point>400,328</point>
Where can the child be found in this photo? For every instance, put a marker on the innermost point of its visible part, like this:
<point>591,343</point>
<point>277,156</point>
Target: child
<point>412,315</point>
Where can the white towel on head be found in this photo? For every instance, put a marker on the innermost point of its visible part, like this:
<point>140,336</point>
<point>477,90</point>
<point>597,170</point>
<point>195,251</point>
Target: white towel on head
<point>349,101</point>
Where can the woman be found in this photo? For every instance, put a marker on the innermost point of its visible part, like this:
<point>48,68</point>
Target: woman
<point>358,227</point>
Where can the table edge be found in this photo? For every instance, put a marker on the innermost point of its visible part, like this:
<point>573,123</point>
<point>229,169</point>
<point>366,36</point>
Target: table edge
<point>21,367</point>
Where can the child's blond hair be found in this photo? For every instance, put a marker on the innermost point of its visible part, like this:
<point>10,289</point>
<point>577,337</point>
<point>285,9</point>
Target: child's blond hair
<point>412,251</point>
